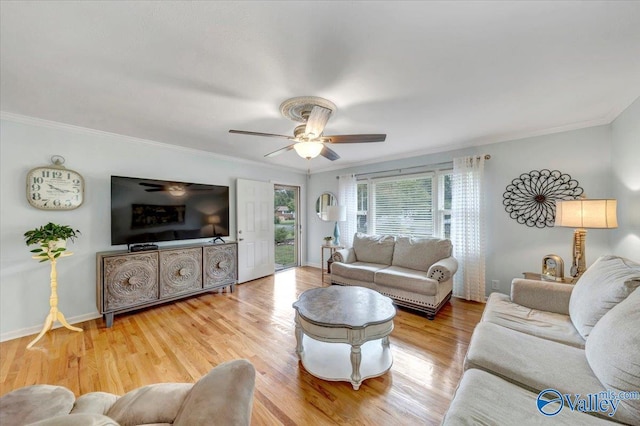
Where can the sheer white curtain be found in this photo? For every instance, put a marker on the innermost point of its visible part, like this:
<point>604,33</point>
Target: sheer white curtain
<point>348,197</point>
<point>468,227</point>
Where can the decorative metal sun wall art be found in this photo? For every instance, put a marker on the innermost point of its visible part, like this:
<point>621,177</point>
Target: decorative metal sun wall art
<point>530,199</point>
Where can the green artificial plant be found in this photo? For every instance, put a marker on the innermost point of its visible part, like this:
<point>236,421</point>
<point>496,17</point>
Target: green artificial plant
<point>47,236</point>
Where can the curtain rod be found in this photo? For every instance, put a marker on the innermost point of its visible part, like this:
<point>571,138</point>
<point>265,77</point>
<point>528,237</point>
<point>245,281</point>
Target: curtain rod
<point>401,169</point>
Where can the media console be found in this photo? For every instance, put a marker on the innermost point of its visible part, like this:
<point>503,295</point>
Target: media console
<point>126,281</point>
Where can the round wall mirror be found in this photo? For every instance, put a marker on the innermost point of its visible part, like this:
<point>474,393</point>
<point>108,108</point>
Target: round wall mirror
<point>325,200</point>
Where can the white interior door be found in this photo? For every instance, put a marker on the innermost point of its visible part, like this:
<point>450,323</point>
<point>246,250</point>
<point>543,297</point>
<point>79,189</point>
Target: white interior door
<point>255,229</point>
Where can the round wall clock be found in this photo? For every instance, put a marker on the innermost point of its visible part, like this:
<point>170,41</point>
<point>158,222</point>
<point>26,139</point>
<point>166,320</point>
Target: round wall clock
<point>55,187</point>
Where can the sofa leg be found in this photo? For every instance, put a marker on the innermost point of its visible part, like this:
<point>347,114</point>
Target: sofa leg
<point>430,317</point>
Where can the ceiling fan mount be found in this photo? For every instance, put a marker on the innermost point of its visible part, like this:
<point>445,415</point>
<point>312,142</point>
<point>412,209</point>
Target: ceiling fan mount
<point>300,107</point>
<point>309,139</point>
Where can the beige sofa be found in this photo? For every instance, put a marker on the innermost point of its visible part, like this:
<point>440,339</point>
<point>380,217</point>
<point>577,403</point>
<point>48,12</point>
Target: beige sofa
<point>224,396</point>
<point>414,272</point>
<point>549,341</point>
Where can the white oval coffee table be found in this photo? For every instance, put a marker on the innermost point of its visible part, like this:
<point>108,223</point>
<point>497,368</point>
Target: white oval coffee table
<point>342,333</point>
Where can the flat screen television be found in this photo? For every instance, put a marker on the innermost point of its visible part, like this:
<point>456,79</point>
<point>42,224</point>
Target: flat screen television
<point>149,210</point>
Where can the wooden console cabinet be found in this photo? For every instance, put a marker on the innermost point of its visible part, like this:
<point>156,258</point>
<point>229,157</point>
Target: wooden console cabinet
<point>132,280</point>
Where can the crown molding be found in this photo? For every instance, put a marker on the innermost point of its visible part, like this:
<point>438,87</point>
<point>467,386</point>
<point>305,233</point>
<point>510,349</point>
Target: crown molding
<point>56,125</point>
<point>484,141</point>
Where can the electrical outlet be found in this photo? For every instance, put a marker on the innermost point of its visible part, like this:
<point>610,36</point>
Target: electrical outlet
<point>495,284</point>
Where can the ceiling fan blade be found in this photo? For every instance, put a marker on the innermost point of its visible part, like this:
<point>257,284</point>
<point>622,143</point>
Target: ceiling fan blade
<point>329,154</point>
<point>354,138</point>
<point>280,151</point>
<point>317,120</point>
<point>269,135</point>
<point>155,190</point>
<point>153,185</point>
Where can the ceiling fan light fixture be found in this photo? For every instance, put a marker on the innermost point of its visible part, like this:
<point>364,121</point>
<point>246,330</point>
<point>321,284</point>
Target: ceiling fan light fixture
<point>308,150</point>
<point>176,190</point>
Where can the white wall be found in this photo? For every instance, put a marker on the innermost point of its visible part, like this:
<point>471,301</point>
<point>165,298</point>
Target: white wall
<point>625,174</point>
<point>511,248</point>
<point>27,143</point>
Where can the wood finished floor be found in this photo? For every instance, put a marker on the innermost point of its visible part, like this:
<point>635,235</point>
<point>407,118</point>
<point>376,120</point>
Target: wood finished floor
<point>180,342</point>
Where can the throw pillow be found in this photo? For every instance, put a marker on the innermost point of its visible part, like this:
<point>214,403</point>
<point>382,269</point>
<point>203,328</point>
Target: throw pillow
<point>612,352</point>
<point>420,253</point>
<point>602,286</point>
<point>374,248</point>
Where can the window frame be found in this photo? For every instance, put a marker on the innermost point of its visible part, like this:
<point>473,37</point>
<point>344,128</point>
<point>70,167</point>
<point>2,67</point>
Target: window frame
<point>438,210</point>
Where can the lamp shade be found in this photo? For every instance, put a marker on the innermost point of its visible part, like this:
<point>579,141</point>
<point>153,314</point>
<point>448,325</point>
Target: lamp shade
<point>336,213</point>
<point>308,149</point>
<point>586,213</point>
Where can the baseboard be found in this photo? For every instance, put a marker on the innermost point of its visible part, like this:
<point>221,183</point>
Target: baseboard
<point>10,335</point>
<point>313,265</point>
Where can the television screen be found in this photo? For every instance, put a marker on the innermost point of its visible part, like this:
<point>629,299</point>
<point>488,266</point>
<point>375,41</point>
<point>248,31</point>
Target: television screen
<point>148,210</point>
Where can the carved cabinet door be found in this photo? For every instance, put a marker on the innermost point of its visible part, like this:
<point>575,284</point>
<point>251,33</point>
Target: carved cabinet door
<point>130,280</point>
<point>220,266</point>
<point>180,271</point>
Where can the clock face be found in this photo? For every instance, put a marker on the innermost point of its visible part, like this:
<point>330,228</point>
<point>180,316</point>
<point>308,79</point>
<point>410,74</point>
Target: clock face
<point>53,188</point>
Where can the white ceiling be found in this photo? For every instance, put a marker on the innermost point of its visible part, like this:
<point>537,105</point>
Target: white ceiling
<point>432,75</point>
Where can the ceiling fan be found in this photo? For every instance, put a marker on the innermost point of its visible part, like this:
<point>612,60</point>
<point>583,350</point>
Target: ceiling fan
<point>309,140</point>
<point>176,189</point>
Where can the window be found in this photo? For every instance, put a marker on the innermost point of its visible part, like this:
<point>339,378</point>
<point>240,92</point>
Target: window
<point>417,205</point>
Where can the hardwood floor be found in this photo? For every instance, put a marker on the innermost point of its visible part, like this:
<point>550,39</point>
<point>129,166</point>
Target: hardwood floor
<point>181,341</point>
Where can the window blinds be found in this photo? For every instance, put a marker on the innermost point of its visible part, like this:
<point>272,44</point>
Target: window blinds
<point>403,205</point>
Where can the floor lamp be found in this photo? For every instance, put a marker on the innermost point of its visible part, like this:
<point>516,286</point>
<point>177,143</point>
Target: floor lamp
<point>337,214</point>
<point>581,214</point>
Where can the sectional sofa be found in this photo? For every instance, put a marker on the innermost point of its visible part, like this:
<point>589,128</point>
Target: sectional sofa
<point>414,272</point>
<point>224,396</point>
<point>556,353</point>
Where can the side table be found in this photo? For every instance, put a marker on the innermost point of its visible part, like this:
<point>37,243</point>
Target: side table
<point>332,249</point>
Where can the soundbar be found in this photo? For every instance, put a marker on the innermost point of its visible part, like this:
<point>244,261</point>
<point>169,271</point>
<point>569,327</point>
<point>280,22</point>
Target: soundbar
<point>143,247</point>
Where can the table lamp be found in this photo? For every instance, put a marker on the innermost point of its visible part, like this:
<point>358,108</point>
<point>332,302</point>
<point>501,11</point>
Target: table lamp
<point>337,214</point>
<point>581,214</point>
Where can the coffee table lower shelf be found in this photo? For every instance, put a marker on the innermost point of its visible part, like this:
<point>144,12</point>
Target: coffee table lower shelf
<point>332,361</point>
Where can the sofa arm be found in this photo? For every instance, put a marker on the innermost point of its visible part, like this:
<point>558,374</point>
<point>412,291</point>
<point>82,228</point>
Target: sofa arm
<point>344,256</point>
<point>542,295</point>
<point>443,269</point>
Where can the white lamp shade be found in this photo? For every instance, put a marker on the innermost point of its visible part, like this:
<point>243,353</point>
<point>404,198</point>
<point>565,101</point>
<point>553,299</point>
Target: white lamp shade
<point>336,213</point>
<point>586,213</point>
<point>308,149</point>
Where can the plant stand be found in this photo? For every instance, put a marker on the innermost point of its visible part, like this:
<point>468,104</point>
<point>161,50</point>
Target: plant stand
<point>54,313</point>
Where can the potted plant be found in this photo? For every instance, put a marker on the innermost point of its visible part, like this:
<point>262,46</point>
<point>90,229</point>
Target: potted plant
<point>52,239</point>
<point>328,239</point>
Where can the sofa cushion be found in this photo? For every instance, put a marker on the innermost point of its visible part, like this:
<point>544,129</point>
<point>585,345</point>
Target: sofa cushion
<point>613,352</point>
<point>374,248</point>
<point>602,286</point>
<point>82,419</point>
<point>94,402</point>
<point>34,403</point>
<point>420,253</point>
<point>360,271</point>
<point>406,279</point>
<point>485,399</point>
<point>218,393</point>
<point>528,361</point>
<point>502,311</point>
<point>157,403</point>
